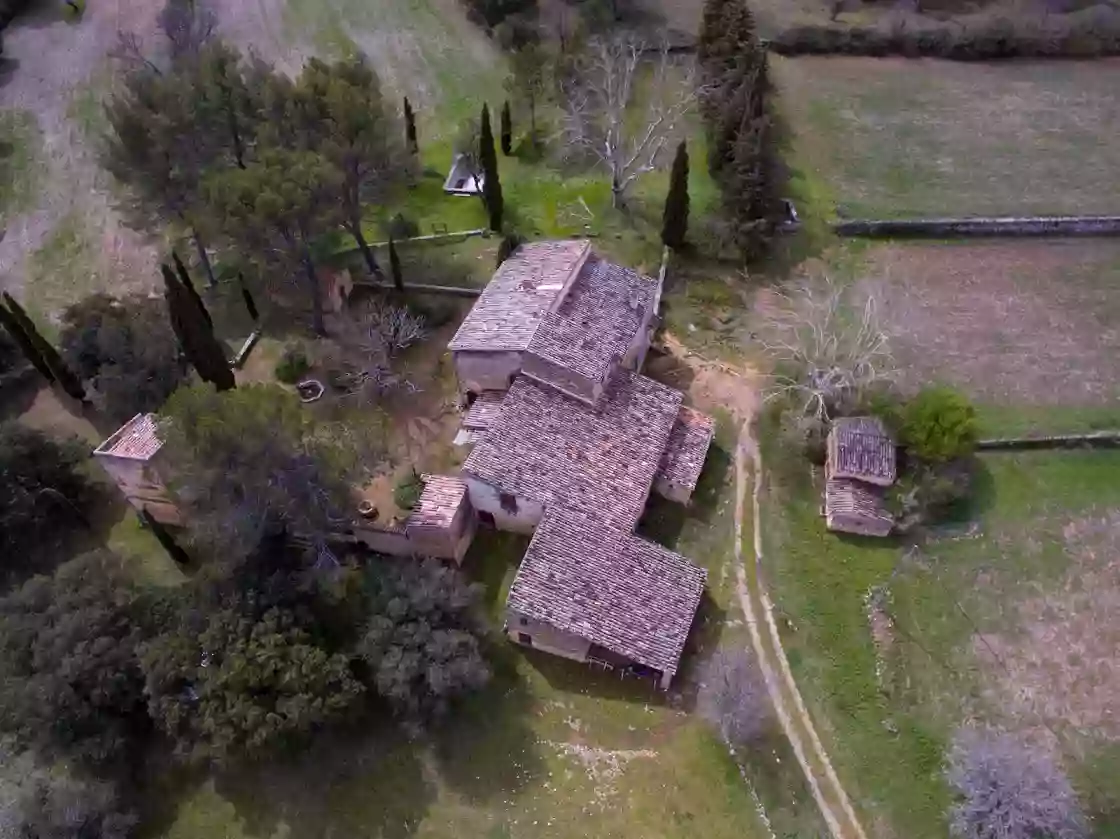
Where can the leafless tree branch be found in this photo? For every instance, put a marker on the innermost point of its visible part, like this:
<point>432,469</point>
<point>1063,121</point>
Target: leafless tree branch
<point>599,99</point>
<point>828,342</point>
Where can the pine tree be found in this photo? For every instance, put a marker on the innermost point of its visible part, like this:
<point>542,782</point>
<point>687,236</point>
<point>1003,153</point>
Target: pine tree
<point>185,279</point>
<point>410,128</point>
<point>491,186</point>
<point>65,377</point>
<point>395,265</point>
<point>25,344</point>
<point>194,333</point>
<point>674,226</point>
<point>250,303</point>
<point>506,130</point>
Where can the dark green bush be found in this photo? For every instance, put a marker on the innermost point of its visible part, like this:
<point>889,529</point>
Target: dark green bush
<point>401,226</point>
<point>938,425</point>
<point>293,365</point>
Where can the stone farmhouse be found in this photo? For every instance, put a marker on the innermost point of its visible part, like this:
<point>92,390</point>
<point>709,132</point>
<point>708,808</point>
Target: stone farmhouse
<point>860,464</point>
<point>567,441</point>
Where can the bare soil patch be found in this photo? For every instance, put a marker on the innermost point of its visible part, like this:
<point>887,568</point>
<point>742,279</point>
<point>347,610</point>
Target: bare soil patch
<point>1059,670</point>
<point>1027,322</point>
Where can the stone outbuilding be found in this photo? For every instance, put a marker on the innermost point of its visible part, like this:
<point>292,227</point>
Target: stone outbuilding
<point>602,595</point>
<point>131,458</point>
<point>860,464</point>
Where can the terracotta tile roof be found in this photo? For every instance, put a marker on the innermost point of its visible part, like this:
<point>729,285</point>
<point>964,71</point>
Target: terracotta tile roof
<point>688,448</point>
<point>598,460</point>
<point>856,507</point>
<point>484,410</point>
<point>523,289</point>
<point>597,320</point>
<point>438,503</point>
<point>136,439</point>
<point>610,587</point>
<point>861,448</point>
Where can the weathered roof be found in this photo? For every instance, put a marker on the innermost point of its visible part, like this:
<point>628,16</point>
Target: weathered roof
<point>688,448</point>
<point>440,500</point>
<point>856,507</point>
<point>137,439</point>
<point>523,289</point>
<point>484,410</point>
<point>597,460</point>
<point>610,587</point>
<point>861,448</point>
<point>596,321</point>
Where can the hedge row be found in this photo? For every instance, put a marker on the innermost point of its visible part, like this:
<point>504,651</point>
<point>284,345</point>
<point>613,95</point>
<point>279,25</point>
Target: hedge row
<point>997,39</point>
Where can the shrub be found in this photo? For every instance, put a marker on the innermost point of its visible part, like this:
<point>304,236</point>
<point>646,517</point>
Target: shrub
<point>933,494</point>
<point>1007,790</point>
<point>938,425</point>
<point>402,227</point>
<point>437,311</point>
<point>805,435</point>
<point>407,490</point>
<point>293,364</point>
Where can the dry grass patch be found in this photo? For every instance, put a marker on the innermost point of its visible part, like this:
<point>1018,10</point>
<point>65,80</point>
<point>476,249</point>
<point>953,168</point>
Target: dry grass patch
<point>1058,668</point>
<point>1035,323</point>
<point>899,137</point>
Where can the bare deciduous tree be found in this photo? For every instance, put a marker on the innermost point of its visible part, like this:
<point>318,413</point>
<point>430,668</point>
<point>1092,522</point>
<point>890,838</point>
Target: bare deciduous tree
<point>828,342</point>
<point>1008,790</point>
<point>600,96</point>
<point>368,339</point>
<point>733,696</point>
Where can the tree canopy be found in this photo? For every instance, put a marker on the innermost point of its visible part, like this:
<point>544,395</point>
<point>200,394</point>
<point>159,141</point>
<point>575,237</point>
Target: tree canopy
<point>45,494</point>
<point>125,349</point>
<point>71,681</point>
<point>249,462</point>
<point>278,206</point>
<point>421,642</point>
<point>255,657</point>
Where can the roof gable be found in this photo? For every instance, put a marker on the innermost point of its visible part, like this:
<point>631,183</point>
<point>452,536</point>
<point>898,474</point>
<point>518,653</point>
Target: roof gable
<point>610,587</point>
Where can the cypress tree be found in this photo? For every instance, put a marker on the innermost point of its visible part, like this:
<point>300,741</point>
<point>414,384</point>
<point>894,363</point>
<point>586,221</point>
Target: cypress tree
<point>491,186</point>
<point>410,128</point>
<point>506,130</point>
<point>67,379</point>
<point>674,222</point>
<point>250,303</point>
<point>395,265</point>
<point>185,279</point>
<point>195,335</point>
<point>25,344</point>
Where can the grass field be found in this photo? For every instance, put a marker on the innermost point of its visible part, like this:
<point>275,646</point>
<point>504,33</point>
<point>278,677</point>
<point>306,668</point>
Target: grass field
<point>20,164</point>
<point>898,137</point>
<point>887,685</point>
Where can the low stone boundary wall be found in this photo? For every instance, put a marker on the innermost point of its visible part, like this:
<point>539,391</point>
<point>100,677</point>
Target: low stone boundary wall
<point>1092,440</point>
<point>952,228</point>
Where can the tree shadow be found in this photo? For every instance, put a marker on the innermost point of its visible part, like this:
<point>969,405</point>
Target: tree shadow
<point>351,782</point>
<point>486,749</point>
<point>8,68</point>
<point>18,393</point>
